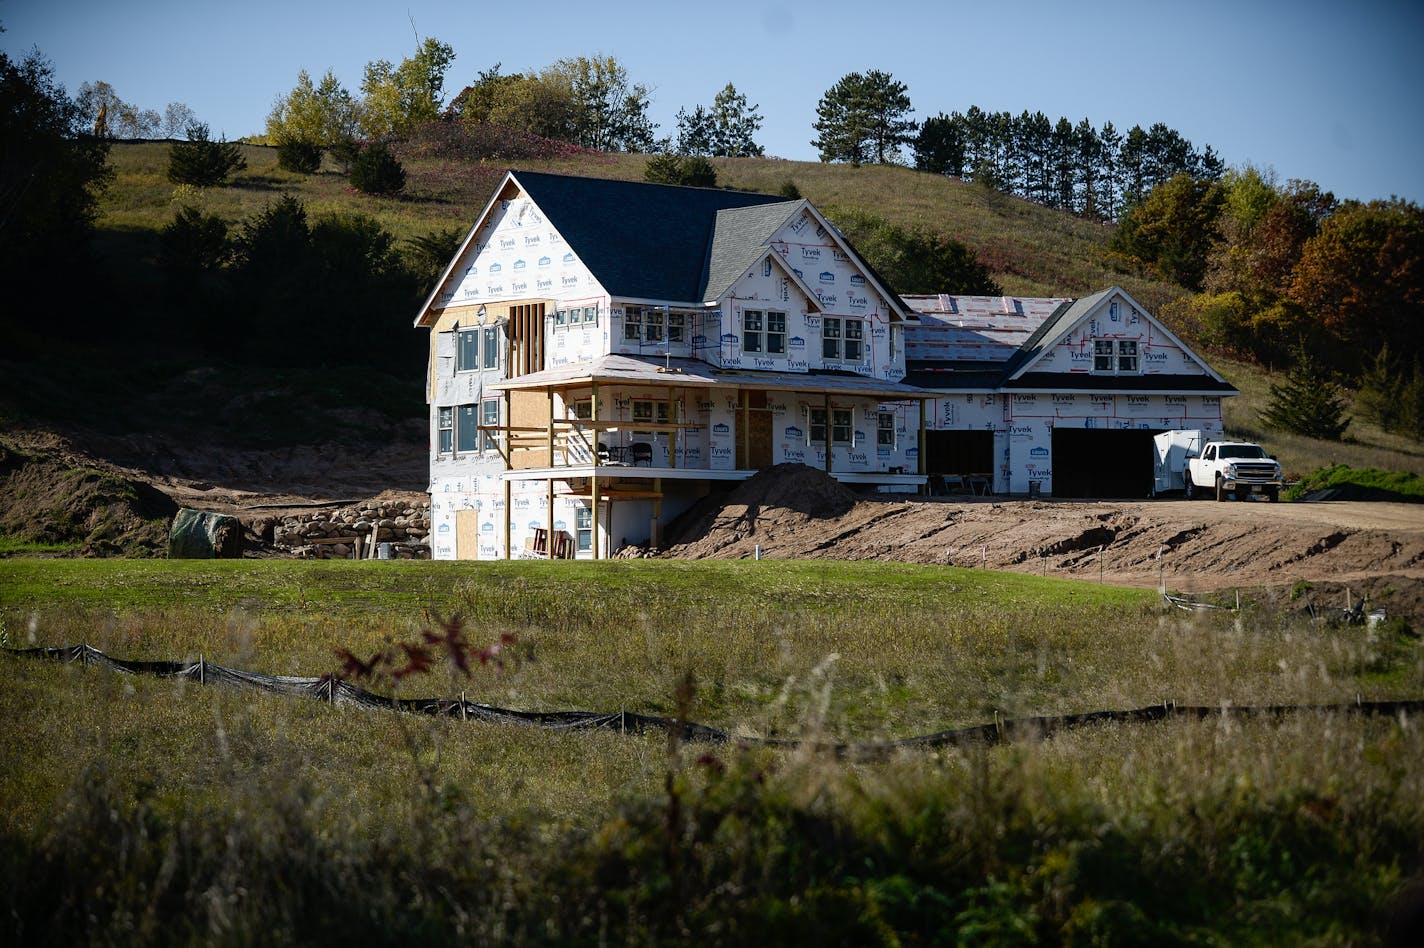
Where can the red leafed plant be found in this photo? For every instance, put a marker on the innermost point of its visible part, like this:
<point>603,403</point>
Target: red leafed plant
<point>442,638</point>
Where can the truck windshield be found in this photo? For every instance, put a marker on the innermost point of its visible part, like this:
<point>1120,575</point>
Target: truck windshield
<point>1242,451</point>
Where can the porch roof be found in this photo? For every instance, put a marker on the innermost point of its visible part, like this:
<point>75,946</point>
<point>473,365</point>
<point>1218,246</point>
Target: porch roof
<point>691,373</point>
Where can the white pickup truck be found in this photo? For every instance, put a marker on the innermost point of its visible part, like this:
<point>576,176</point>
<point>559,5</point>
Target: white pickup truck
<point>1232,468</point>
<point>1184,460</point>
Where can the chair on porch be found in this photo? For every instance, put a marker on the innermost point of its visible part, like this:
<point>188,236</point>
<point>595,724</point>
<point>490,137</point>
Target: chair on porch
<point>641,453</point>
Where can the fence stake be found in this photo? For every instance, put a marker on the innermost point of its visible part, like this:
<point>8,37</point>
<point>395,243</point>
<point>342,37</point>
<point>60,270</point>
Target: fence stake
<point>202,670</point>
<point>464,710</point>
<point>1100,565</point>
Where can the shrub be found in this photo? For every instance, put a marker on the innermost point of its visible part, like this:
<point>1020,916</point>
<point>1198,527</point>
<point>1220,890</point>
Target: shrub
<point>201,162</point>
<point>194,242</point>
<point>789,190</point>
<point>377,171</point>
<point>298,155</point>
<point>691,171</point>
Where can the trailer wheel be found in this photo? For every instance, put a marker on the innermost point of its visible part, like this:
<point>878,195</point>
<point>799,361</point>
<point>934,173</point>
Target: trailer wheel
<point>1220,490</point>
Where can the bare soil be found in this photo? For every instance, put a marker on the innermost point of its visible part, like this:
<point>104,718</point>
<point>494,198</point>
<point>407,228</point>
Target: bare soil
<point>1190,547</point>
<point>1341,549</point>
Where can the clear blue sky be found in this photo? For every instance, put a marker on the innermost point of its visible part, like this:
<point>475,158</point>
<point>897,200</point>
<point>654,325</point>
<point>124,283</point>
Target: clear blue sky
<point>1330,91</point>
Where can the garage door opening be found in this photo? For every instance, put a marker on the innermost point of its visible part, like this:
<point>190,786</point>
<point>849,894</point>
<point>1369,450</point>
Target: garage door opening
<point>1095,463</point>
<point>959,452</point>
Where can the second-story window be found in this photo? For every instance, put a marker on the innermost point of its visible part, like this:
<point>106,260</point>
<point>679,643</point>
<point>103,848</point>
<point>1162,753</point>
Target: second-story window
<point>753,329</point>
<point>654,322</point>
<point>775,332</point>
<point>842,340</point>
<point>1116,357</point>
<point>675,326</point>
<point>491,346</point>
<point>467,350</point>
<point>633,323</point>
<point>764,331</point>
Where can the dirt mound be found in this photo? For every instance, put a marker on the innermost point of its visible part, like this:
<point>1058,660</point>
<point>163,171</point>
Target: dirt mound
<point>1376,549</point>
<point>785,499</point>
<point>50,500</point>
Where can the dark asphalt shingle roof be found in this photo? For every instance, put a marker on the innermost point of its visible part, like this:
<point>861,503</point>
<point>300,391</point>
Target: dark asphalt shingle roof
<point>739,237</point>
<point>641,241</point>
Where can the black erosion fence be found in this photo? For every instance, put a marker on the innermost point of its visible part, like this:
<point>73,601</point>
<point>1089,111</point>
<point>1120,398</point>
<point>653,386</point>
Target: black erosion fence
<point>336,691</point>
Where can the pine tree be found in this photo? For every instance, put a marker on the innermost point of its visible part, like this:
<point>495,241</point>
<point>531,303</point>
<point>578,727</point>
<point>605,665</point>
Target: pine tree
<point>201,162</point>
<point>1308,402</point>
<point>864,117</point>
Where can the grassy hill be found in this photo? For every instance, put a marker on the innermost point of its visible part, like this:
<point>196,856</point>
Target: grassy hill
<point>1029,249</point>
<point>152,381</point>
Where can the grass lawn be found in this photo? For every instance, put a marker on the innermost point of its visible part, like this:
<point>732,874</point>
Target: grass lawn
<point>140,809</point>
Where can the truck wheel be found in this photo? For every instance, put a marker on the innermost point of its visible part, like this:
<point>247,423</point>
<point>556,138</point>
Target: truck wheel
<point>1191,488</point>
<point>1220,490</point>
<point>1273,494</point>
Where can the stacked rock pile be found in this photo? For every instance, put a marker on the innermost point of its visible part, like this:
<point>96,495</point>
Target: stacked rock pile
<point>331,534</point>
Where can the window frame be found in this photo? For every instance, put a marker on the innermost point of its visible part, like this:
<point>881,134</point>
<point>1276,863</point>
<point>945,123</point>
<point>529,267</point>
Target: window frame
<point>444,429</point>
<point>489,341</point>
<point>1129,361</point>
<point>753,321</point>
<point>885,429</point>
<point>775,337</point>
<point>467,421</point>
<point>632,324</point>
<point>816,418</point>
<point>490,442</point>
<point>472,333</point>
<point>583,529</point>
<point>1117,357</point>
<point>838,335</point>
<point>658,412</point>
<point>839,424</point>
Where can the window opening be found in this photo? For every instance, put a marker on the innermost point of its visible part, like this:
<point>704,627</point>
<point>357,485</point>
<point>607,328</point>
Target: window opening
<point>467,350</point>
<point>467,432</point>
<point>491,417</point>
<point>885,429</point>
<point>491,344</point>
<point>445,424</point>
<point>583,521</point>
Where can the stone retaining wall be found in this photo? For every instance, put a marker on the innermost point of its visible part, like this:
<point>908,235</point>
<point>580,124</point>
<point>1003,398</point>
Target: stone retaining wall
<point>320,534</point>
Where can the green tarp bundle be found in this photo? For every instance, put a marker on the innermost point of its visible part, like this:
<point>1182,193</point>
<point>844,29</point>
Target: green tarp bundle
<point>198,535</point>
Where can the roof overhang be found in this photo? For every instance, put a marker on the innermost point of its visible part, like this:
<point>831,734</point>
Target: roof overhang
<point>690,373</point>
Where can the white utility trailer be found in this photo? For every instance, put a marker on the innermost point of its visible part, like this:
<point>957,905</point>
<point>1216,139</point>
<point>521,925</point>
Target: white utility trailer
<point>1171,449</point>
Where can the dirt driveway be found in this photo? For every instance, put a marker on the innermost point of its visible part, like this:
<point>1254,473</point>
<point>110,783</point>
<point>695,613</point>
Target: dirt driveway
<point>1189,546</point>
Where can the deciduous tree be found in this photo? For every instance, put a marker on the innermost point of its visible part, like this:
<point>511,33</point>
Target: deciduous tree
<point>395,97</point>
<point>323,113</point>
<point>610,112</point>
